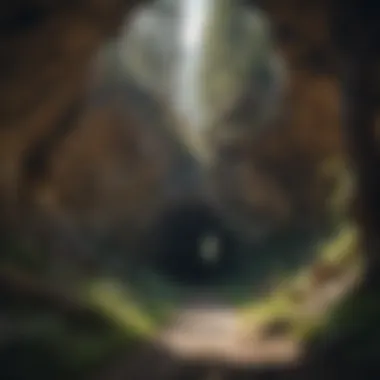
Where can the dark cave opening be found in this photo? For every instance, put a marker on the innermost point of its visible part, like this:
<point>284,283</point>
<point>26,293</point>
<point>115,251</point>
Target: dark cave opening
<point>193,248</point>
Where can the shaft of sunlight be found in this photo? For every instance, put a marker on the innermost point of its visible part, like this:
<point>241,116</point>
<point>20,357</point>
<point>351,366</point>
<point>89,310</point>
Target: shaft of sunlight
<point>194,15</point>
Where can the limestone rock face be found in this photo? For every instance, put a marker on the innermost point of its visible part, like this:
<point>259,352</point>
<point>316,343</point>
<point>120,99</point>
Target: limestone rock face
<point>100,157</point>
<point>46,49</point>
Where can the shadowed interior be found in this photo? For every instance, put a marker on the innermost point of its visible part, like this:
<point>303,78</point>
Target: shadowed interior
<point>192,247</point>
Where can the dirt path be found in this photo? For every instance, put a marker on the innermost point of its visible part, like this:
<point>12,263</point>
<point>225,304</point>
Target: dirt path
<point>205,329</point>
<point>206,339</point>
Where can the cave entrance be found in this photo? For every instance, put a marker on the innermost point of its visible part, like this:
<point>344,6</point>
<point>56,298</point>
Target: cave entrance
<point>193,249</point>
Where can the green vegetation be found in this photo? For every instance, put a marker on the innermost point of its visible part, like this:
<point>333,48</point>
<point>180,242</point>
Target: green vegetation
<point>297,297</point>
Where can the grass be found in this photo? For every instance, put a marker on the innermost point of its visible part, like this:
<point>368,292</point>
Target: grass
<point>117,304</point>
<point>287,302</point>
